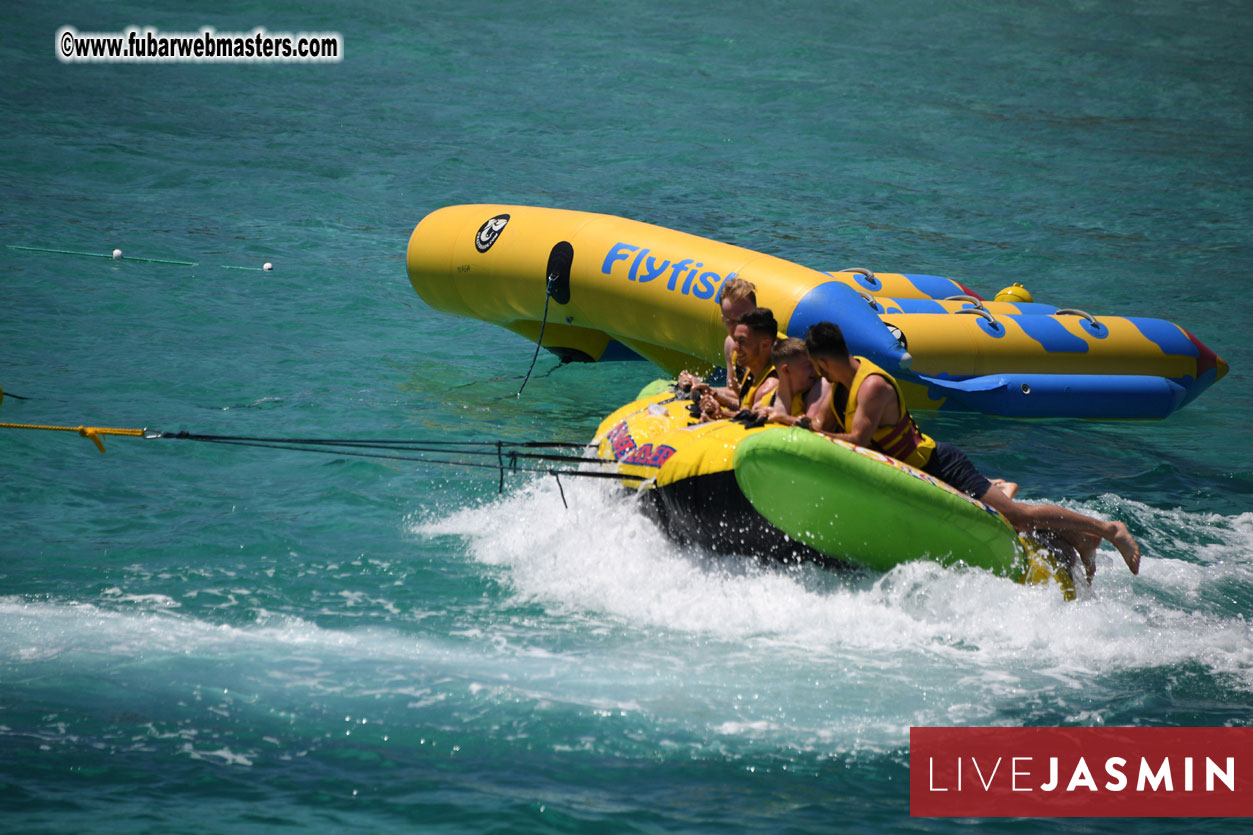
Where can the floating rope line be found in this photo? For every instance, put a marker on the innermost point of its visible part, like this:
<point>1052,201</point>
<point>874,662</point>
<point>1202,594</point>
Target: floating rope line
<point>116,255</point>
<point>507,454</point>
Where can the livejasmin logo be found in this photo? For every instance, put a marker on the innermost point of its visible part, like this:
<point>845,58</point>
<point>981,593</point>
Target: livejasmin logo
<point>1081,772</point>
<point>1020,775</point>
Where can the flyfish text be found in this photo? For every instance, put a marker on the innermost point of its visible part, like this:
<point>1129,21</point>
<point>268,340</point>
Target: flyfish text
<point>684,276</point>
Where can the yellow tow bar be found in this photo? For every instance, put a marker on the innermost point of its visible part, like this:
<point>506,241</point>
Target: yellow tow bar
<point>92,433</point>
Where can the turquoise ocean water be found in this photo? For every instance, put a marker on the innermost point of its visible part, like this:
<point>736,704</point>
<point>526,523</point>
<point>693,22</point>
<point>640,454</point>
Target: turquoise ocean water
<point>215,639</point>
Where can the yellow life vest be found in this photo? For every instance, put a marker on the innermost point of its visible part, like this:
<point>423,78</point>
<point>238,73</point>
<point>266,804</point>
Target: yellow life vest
<point>901,440</point>
<point>798,401</point>
<point>749,386</point>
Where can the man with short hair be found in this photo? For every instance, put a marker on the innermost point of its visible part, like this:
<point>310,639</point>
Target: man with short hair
<point>754,336</point>
<point>735,298</point>
<point>866,408</point>
<point>798,398</point>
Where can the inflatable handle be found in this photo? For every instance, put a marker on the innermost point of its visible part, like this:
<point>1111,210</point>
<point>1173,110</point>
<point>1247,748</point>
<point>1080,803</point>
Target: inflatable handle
<point>560,260</point>
<point>870,300</point>
<point>980,311</point>
<point>977,302</point>
<point>748,419</point>
<point>868,276</point>
<point>1090,325</point>
<point>1071,311</point>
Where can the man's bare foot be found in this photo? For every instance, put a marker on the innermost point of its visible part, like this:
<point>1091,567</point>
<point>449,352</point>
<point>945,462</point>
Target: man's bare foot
<point>1126,546</point>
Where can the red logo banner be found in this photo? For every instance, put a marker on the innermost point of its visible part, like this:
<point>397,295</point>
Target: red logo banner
<point>1080,772</point>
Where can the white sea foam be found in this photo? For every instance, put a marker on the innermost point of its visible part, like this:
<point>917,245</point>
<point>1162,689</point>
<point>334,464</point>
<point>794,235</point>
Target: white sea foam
<point>934,644</point>
<point>712,653</point>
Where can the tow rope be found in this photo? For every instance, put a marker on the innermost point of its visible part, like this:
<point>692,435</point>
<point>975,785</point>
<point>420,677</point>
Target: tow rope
<point>507,454</point>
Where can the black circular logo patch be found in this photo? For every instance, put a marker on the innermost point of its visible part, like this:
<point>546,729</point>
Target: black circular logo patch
<point>489,232</point>
<point>897,334</point>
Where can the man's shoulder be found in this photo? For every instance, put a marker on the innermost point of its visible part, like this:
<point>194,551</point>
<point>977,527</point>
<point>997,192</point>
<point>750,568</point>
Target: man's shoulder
<point>876,382</point>
<point>878,394</point>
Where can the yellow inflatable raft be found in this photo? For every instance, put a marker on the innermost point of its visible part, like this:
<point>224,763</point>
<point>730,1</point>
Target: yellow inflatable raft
<point>785,493</point>
<point>604,288</point>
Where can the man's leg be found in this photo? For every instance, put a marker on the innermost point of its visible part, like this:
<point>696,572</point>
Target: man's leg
<point>1051,517</point>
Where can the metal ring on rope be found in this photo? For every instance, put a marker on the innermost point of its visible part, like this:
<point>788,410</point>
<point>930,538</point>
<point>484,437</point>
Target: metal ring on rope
<point>1071,311</point>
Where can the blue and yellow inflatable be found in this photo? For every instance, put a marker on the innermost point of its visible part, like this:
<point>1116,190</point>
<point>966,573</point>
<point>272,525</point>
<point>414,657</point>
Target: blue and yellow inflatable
<point>612,288</point>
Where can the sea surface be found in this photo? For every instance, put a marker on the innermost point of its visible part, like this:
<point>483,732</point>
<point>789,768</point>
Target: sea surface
<point>213,639</point>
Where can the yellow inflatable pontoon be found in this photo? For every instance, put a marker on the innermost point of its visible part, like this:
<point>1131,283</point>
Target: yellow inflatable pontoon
<point>607,288</point>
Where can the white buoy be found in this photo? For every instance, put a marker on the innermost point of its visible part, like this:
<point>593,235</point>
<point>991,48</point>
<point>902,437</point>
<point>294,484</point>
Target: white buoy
<point>117,255</point>
<point>267,266</point>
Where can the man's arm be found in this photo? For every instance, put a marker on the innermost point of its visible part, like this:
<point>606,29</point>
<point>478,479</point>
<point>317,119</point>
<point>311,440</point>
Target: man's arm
<point>874,400</point>
<point>728,348</point>
<point>780,410</point>
<point>762,390</point>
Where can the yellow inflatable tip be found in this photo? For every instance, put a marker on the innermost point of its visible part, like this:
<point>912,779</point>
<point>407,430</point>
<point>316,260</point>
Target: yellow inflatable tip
<point>1014,293</point>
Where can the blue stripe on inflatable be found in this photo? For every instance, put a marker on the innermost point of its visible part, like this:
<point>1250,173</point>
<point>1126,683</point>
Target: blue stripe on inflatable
<point>1117,396</point>
<point>1170,338</point>
<point>864,332</point>
<point>916,306</point>
<point>1194,387</point>
<point>1050,333</point>
<point>935,286</point>
<point>932,306</point>
<point>1036,308</point>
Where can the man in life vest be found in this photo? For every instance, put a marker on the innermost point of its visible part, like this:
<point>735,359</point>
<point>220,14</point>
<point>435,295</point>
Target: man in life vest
<point>799,396</point>
<point>754,336</point>
<point>866,408</point>
<point>735,298</point>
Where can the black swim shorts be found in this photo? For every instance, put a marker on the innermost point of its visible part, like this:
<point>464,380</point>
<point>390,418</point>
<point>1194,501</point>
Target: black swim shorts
<point>950,464</point>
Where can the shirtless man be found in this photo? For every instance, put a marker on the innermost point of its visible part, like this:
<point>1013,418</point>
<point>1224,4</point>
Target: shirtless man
<point>866,408</point>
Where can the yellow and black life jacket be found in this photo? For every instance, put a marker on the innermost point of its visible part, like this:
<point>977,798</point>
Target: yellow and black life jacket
<point>749,386</point>
<point>902,440</point>
<point>798,402</point>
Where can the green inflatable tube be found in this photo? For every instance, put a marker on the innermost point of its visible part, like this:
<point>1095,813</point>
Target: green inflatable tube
<point>856,504</point>
<point>655,387</point>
